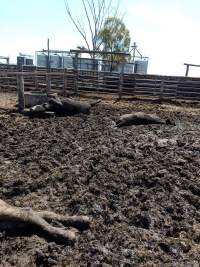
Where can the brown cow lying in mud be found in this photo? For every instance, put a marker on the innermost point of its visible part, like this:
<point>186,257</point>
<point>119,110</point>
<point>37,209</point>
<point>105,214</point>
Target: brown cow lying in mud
<point>64,107</point>
<point>141,118</point>
<point>16,220</point>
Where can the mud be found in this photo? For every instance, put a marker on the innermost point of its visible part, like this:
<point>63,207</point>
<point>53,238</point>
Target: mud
<point>139,184</point>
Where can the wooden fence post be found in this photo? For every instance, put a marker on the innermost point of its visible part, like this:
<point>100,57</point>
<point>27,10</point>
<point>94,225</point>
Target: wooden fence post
<point>99,77</point>
<point>161,89</point>
<point>48,83</point>
<point>64,82</point>
<point>76,74</point>
<point>36,81</point>
<point>20,92</point>
<point>176,89</point>
<point>134,85</point>
<point>121,81</point>
<point>187,70</point>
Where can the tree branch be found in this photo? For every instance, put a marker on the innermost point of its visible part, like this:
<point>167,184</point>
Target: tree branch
<point>96,12</point>
<point>89,23</point>
<point>76,25</point>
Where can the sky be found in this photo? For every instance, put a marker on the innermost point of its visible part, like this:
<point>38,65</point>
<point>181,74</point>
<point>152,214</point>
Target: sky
<point>165,31</point>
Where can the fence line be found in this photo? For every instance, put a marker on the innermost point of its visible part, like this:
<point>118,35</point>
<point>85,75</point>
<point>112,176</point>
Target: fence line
<point>156,86</point>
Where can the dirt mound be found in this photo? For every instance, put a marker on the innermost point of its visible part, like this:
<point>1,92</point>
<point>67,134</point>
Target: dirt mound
<point>139,184</point>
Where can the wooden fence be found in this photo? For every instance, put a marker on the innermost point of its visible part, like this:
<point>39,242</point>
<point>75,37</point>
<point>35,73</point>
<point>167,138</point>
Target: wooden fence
<point>156,86</point>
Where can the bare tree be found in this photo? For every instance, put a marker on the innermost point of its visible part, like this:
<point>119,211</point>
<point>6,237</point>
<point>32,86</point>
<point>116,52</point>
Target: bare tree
<point>96,12</point>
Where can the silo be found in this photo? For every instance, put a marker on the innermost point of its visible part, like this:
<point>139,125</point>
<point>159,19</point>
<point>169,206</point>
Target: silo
<point>141,66</point>
<point>29,61</point>
<point>20,60</point>
<point>83,64</point>
<point>42,60</point>
<point>67,62</point>
<point>105,66</point>
<point>128,68</point>
<point>87,64</point>
<point>55,61</point>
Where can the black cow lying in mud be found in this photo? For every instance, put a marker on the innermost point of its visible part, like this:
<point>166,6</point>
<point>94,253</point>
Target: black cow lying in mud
<point>141,118</point>
<point>16,220</point>
<point>66,107</point>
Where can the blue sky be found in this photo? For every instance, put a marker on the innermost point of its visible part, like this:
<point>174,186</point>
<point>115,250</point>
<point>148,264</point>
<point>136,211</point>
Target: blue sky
<point>166,31</point>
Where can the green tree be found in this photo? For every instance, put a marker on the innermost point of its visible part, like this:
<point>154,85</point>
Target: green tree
<point>114,37</point>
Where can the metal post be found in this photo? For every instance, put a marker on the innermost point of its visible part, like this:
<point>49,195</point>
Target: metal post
<point>134,51</point>
<point>20,92</point>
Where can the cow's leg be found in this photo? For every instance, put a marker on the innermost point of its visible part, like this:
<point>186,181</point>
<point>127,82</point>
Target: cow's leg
<point>79,222</point>
<point>11,217</point>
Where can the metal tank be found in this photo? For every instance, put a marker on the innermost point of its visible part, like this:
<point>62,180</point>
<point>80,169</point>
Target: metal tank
<point>42,60</point>
<point>55,61</point>
<point>67,62</point>
<point>128,68</point>
<point>105,67</point>
<point>20,60</point>
<point>87,64</point>
<point>28,61</point>
<point>141,66</point>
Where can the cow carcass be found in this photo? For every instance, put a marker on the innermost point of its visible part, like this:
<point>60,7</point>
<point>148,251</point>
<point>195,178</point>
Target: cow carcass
<point>66,107</point>
<point>141,118</point>
<point>14,219</point>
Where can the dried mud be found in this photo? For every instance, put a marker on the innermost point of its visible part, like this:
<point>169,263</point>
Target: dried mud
<point>140,185</point>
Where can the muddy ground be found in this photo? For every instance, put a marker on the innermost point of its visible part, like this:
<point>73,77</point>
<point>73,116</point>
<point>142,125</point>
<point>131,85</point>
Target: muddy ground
<point>139,184</point>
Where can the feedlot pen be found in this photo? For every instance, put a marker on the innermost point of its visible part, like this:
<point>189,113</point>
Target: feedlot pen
<point>139,184</point>
<point>69,81</point>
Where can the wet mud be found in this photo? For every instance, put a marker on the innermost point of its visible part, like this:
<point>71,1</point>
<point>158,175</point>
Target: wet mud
<point>139,184</point>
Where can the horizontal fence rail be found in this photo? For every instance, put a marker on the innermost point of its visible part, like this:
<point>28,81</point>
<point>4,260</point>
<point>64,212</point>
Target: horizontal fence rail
<point>71,80</point>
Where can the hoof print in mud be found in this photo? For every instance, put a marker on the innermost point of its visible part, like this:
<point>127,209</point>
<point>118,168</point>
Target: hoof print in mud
<point>141,221</point>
